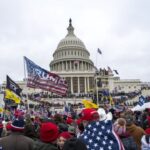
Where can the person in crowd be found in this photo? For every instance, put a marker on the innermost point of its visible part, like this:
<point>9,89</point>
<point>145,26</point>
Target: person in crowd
<point>63,137</point>
<point>16,140</point>
<point>79,127</point>
<point>88,115</point>
<point>74,144</point>
<point>1,125</point>
<point>127,140</point>
<point>135,131</point>
<point>98,134</point>
<point>48,135</point>
<point>29,131</point>
<point>103,115</point>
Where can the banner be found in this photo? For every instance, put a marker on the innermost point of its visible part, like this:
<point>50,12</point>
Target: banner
<point>89,104</point>
<point>12,91</point>
<point>45,80</point>
<point>12,96</point>
<point>12,86</point>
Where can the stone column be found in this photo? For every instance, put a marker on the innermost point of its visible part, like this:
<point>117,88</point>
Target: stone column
<point>70,65</point>
<point>82,66</point>
<point>85,88</point>
<point>57,67</point>
<point>78,84</point>
<point>78,65</point>
<point>71,85</point>
<point>67,65</point>
<point>62,65</point>
<point>88,85</point>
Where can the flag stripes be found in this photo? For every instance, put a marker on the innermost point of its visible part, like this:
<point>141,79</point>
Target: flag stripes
<point>43,79</point>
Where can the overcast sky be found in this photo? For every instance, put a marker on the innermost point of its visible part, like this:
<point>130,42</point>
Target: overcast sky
<point>33,28</point>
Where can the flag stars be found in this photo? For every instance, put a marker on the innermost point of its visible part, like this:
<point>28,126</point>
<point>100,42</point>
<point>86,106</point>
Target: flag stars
<point>98,138</point>
<point>109,147</point>
<point>105,137</point>
<point>95,145</point>
<point>100,133</point>
<point>97,123</point>
<point>104,143</point>
<point>89,132</point>
<point>85,137</point>
<point>103,127</point>
<point>108,131</point>
<point>101,148</point>
<point>94,129</point>
<point>106,121</point>
<point>111,142</point>
<point>93,134</point>
<point>90,140</point>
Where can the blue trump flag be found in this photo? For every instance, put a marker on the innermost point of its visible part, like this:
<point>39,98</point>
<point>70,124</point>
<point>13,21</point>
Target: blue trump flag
<point>141,100</point>
<point>45,80</point>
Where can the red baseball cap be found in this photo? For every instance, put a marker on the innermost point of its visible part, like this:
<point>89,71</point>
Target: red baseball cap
<point>89,114</point>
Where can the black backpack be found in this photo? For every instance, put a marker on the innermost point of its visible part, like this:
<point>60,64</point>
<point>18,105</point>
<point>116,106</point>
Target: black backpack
<point>147,138</point>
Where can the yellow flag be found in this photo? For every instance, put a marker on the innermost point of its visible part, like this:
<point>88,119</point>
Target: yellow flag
<point>1,109</point>
<point>111,100</point>
<point>11,95</point>
<point>89,104</point>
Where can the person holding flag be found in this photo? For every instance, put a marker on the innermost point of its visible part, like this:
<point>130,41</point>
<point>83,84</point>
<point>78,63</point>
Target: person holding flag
<point>98,135</point>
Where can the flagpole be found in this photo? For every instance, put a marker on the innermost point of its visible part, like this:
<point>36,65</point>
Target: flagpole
<point>25,78</point>
<point>96,81</point>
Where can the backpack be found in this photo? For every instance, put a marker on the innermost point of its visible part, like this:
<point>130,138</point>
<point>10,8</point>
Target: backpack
<point>147,139</point>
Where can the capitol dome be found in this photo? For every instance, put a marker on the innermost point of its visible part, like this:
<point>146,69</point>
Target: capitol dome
<point>70,40</point>
<point>71,53</point>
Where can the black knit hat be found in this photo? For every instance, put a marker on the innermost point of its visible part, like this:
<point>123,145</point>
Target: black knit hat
<point>74,144</point>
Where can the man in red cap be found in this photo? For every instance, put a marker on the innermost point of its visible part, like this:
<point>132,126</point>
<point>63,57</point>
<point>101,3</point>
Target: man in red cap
<point>89,115</point>
<point>49,133</point>
<point>63,137</point>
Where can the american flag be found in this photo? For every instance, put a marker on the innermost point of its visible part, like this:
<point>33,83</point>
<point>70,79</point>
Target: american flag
<point>45,80</point>
<point>141,100</point>
<point>109,70</point>
<point>116,71</point>
<point>100,135</point>
<point>99,51</point>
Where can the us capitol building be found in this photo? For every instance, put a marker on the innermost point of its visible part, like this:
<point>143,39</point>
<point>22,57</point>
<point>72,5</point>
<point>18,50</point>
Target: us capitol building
<point>71,60</point>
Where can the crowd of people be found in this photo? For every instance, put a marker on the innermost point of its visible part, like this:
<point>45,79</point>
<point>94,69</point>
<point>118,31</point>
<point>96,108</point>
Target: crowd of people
<point>37,128</point>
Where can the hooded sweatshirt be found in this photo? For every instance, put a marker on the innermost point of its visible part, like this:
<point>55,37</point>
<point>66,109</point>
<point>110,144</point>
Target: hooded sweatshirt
<point>137,133</point>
